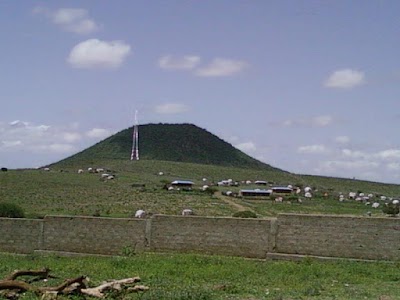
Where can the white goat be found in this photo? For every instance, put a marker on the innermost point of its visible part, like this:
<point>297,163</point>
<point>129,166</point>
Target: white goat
<point>140,214</point>
<point>187,212</point>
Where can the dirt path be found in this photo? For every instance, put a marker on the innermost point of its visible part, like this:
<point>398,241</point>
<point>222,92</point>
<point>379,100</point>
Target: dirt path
<point>231,202</point>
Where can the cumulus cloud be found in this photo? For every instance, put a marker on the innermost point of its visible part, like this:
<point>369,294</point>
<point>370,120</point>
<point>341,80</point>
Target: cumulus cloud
<point>345,79</point>
<point>26,136</point>
<point>186,62</point>
<point>317,121</point>
<point>312,149</point>
<point>393,166</point>
<point>247,147</point>
<point>220,67</point>
<point>98,133</point>
<point>389,154</point>
<point>171,108</point>
<point>357,165</point>
<point>94,53</point>
<point>75,20</point>
<point>342,139</point>
<point>355,154</point>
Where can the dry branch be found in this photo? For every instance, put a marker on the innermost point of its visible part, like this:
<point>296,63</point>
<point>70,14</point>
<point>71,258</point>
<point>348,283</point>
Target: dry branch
<point>69,286</point>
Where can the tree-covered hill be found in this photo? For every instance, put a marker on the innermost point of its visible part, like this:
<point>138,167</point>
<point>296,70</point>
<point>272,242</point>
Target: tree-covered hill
<point>168,142</point>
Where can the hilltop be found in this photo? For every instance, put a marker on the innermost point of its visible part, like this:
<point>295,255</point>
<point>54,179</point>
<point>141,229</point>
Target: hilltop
<point>168,142</point>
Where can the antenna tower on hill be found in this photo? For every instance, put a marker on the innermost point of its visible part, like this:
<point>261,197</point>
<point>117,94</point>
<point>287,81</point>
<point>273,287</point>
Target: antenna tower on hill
<point>135,139</point>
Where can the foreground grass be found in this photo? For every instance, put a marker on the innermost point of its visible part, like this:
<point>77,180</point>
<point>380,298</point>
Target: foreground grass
<point>173,276</point>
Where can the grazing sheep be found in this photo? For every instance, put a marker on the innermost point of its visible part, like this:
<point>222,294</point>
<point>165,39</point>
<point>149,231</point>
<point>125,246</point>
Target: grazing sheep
<point>370,195</point>
<point>80,171</point>
<point>307,189</point>
<point>396,202</point>
<point>278,199</point>
<point>375,205</point>
<point>46,169</point>
<point>160,173</point>
<point>352,195</point>
<point>205,187</point>
<point>383,198</point>
<point>110,177</point>
<point>361,194</point>
<point>170,188</point>
<point>140,214</point>
<point>187,212</point>
<point>105,175</point>
<point>308,195</point>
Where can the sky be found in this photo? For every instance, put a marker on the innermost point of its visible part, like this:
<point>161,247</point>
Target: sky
<point>311,87</point>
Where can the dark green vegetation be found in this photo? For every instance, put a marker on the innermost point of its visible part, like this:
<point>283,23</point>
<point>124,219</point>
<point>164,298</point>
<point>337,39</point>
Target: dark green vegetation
<point>11,210</point>
<point>168,142</point>
<point>171,276</point>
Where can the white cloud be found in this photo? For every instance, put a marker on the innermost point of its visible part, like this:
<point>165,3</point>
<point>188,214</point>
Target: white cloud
<point>171,108</point>
<point>312,149</point>
<point>10,144</point>
<point>98,133</point>
<point>94,53</point>
<point>321,121</point>
<point>388,154</point>
<point>186,62</point>
<point>72,137</point>
<point>317,121</point>
<point>355,154</point>
<point>393,166</point>
<point>25,136</point>
<point>75,20</point>
<point>222,67</point>
<point>334,165</point>
<point>247,147</point>
<point>342,139</point>
<point>53,148</point>
<point>345,79</point>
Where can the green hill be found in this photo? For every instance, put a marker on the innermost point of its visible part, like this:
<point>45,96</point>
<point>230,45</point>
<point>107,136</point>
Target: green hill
<point>168,142</point>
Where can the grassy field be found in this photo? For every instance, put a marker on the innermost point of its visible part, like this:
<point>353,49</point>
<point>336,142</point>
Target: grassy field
<point>199,277</point>
<point>64,191</point>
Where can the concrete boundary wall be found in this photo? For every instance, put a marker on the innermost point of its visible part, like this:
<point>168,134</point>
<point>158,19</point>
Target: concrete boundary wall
<point>288,235</point>
<point>224,236</point>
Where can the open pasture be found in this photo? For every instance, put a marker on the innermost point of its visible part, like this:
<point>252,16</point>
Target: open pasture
<point>63,191</point>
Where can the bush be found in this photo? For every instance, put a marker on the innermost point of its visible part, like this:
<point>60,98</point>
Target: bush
<point>391,209</point>
<point>244,214</point>
<point>11,210</point>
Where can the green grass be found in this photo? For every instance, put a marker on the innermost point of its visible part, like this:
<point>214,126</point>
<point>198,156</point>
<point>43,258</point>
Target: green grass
<point>173,276</point>
<point>41,193</point>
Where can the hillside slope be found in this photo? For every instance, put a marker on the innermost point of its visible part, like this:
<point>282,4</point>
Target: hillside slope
<point>168,142</point>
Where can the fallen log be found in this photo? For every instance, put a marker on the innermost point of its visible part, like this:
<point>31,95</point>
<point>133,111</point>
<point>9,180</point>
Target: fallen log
<point>11,286</point>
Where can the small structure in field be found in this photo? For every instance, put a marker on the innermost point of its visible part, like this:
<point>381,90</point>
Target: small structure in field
<point>260,182</point>
<point>182,184</point>
<point>255,193</point>
<point>281,190</point>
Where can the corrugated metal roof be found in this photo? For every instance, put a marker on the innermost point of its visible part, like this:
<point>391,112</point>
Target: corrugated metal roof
<point>182,182</point>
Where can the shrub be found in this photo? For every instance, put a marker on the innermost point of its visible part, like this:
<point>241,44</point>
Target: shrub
<point>11,210</point>
<point>244,214</point>
<point>391,209</point>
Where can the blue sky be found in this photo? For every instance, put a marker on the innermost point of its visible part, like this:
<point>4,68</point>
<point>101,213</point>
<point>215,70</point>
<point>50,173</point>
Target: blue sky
<point>311,87</point>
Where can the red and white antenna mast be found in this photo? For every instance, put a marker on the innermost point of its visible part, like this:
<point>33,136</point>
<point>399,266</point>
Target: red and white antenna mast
<point>135,139</point>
